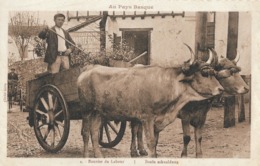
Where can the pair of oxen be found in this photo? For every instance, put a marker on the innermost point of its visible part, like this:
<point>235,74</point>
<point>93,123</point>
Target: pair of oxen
<point>151,97</point>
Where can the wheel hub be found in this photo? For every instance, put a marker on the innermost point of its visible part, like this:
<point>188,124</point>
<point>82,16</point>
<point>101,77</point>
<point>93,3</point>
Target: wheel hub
<point>44,118</point>
<point>51,117</point>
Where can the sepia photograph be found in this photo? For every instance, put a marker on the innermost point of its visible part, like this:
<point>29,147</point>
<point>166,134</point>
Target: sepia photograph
<point>133,83</point>
<point>126,84</point>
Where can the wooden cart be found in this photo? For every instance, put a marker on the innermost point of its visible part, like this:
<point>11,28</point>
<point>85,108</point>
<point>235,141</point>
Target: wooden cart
<point>52,101</point>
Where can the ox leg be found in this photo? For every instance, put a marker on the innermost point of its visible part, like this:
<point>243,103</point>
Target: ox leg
<point>141,149</point>
<point>198,139</point>
<point>150,137</point>
<point>85,134</point>
<point>134,129</point>
<point>94,130</point>
<point>156,136</point>
<point>186,137</point>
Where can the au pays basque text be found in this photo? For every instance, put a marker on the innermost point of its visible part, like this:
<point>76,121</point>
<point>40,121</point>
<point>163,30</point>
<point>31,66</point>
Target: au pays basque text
<point>130,7</point>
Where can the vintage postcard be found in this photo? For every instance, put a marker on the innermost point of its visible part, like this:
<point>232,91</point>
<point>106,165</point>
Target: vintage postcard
<point>129,83</point>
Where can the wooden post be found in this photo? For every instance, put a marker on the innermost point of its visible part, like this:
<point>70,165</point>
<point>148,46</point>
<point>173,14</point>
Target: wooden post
<point>229,110</point>
<point>68,19</point>
<point>200,33</point>
<point>241,108</point>
<point>229,113</point>
<point>102,25</point>
<point>232,35</point>
<point>241,103</point>
<point>77,15</point>
<point>249,82</point>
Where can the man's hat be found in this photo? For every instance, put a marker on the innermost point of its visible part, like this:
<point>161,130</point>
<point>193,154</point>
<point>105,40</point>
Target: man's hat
<point>59,15</point>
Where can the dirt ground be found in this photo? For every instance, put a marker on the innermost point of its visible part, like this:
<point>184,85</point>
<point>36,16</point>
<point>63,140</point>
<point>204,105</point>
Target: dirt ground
<point>217,142</point>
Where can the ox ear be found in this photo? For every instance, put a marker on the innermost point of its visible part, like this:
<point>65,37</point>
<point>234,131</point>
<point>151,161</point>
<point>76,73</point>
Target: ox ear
<point>185,79</point>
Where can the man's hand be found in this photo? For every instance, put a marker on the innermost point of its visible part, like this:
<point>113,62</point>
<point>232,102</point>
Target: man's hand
<point>45,28</point>
<point>67,52</point>
<point>44,33</point>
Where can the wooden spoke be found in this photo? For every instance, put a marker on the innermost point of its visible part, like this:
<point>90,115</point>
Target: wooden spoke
<point>53,137</point>
<point>55,103</point>
<point>58,131</point>
<point>50,100</point>
<point>58,113</point>
<point>46,134</point>
<point>59,123</point>
<point>41,125</point>
<point>107,133</point>
<point>44,103</point>
<point>41,112</point>
<point>112,127</point>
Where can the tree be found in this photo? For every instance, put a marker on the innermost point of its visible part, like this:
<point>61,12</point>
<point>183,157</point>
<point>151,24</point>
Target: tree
<point>23,26</point>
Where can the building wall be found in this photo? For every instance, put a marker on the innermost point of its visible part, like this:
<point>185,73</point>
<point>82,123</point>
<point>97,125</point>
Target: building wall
<point>169,34</point>
<point>87,40</point>
<point>88,37</point>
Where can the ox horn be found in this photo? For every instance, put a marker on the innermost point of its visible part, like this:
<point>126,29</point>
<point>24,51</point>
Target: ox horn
<point>215,55</point>
<point>210,57</point>
<point>192,54</point>
<point>237,57</point>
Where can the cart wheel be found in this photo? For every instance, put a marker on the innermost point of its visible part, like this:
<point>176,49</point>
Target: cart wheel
<point>114,131</point>
<point>51,119</point>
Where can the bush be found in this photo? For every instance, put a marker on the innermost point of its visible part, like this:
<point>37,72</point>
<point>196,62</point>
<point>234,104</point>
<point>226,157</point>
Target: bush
<point>117,52</point>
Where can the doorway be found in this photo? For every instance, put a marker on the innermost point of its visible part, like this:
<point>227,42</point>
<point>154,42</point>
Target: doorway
<point>139,40</point>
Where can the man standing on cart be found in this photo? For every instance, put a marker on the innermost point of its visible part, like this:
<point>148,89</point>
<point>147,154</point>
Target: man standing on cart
<point>58,49</point>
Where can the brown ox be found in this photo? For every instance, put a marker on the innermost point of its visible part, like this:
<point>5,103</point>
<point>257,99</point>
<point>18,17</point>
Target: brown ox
<point>151,94</point>
<point>194,113</point>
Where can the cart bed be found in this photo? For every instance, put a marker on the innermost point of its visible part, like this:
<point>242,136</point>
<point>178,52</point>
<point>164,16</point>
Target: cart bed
<point>65,81</point>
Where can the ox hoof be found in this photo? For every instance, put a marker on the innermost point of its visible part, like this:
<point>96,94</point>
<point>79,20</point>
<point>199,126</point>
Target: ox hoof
<point>198,155</point>
<point>85,155</point>
<point>184,155</point>
<point>153,155</point>
<point>98,155</point>
<point>134,153</point>
<point>143,152</point>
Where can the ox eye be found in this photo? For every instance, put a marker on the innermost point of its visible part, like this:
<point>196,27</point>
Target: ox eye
<point>234,70</point>
<point>224,74</point>
<point>205,73</point>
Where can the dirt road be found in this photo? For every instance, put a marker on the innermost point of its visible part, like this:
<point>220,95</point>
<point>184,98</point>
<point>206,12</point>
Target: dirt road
<point>217,141</point>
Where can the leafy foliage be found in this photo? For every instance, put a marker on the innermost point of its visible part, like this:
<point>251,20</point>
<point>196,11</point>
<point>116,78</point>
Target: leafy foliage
<point>117,52</point>
<point>27,70</point>
<point>120,51</point>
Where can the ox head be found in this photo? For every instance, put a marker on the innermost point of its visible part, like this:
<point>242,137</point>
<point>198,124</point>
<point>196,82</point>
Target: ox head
<point>227,73</point>
<point>201,76</point>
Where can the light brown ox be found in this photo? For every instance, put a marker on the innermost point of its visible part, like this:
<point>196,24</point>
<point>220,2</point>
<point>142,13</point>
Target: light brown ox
<point>151,94</point>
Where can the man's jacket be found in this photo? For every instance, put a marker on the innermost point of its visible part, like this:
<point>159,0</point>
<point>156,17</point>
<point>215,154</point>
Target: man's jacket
<point>12,76</point>
<point>52,41</point>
